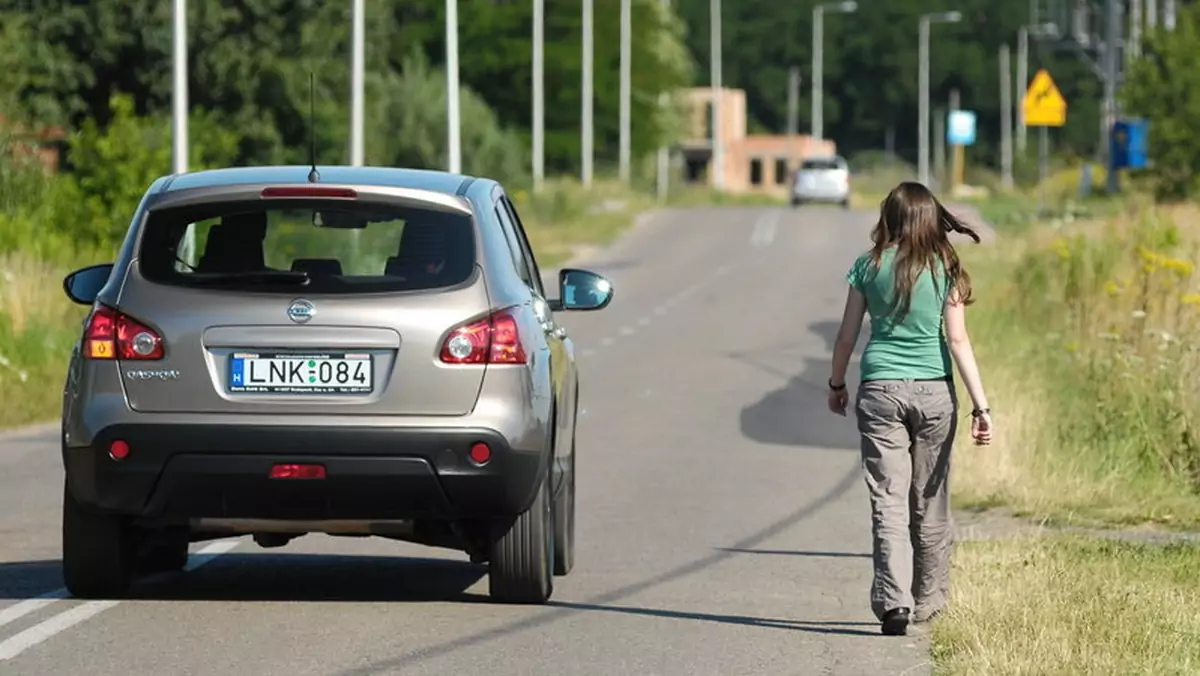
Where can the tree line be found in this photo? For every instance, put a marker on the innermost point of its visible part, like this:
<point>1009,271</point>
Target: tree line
<point>66,60</point>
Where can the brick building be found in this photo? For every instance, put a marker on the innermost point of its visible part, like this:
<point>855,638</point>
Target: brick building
<point>752,162</point>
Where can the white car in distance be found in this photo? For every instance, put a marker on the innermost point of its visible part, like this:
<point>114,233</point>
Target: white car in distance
<point>822,179</point>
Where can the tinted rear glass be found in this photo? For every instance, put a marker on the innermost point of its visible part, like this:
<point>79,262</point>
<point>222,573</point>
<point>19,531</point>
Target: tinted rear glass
<point>318,246</point>
<point>821,164</point>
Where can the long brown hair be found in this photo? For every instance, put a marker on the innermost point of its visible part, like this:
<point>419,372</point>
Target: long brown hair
<point>915,222</point>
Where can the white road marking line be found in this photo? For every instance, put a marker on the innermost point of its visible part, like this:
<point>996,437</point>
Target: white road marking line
<point>18,610</point>
<point>56,624</point>
<point>606,341</point>
<point>764,229</point>
<point>626,331</point>
<point>644,321</point>
<point>660,310</point>
<point>587,352</point>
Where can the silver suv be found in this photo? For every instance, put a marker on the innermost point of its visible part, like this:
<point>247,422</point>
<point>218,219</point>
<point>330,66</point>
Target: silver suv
<point>360,351</point>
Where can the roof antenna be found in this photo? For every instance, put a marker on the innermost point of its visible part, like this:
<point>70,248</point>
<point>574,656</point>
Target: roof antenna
<point>313,174</point>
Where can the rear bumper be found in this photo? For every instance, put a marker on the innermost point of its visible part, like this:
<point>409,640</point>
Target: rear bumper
<point>179,472</point>
<point>820,194</point>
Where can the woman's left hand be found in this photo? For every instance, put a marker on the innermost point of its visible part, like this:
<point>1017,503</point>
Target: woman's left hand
<point>838,399</point>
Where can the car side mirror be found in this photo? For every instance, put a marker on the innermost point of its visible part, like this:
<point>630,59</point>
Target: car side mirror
<point>83,285</point>
<point>582,290</point>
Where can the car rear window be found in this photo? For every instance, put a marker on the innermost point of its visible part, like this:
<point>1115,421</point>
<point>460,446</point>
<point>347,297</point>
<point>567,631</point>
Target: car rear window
<point>820,164</point>
<point>330,247</point>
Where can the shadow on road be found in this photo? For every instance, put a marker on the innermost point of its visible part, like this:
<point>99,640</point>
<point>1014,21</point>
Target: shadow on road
<point>29,579</point>
<point>796,414</point>
<point>812,627</point>
<point>784,552</point>
<point>280,577</point>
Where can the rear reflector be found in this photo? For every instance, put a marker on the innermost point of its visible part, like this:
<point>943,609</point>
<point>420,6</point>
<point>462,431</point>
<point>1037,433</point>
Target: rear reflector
<point>118,450</point>
<point>298,472</point>
<point>311,191</point>
<point>480,453</point>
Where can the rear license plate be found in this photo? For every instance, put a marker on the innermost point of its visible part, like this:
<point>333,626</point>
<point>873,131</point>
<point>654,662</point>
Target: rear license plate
<point>326,373</point>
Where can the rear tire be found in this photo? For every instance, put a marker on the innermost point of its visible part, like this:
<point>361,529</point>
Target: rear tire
<point>846,203</point>
<point>522,560</point>
<point>564,522</point>
<point>98,556</point>
<point>166,555</point>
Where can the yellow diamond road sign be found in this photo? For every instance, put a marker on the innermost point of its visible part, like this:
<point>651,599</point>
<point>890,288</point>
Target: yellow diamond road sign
<point>1044,105</point>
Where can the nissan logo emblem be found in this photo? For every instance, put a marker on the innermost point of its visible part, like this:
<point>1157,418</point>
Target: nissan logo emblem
<point>300,311</point>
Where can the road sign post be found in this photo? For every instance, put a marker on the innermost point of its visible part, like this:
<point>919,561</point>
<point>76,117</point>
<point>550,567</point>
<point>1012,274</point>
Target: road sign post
<point>960,133</point>
<point>1043,106</point>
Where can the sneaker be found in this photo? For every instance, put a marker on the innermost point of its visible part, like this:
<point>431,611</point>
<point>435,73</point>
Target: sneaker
<point>895,622</point>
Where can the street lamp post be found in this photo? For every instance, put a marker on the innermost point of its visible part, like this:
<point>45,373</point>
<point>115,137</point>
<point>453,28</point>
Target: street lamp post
<point>818,60</point>
<point>356,83</point>
<point>454,130</point>
<point>923,96</point>
<point>718,150</point>
<point>587,142</point>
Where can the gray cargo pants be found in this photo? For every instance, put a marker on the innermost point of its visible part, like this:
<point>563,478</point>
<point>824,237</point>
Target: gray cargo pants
<point>907,429</point>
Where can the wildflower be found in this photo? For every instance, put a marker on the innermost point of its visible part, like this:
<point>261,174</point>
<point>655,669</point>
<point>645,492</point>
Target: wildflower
<point>1180,267</point>
<point>1190,299</point>
<point>1060,247</point>
<point>1138,314</point>
<point>1112,288</point>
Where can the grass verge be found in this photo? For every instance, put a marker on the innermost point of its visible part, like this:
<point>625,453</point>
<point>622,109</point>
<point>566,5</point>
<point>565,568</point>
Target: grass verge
<point>1071,604</point>
<point>1087,335</point>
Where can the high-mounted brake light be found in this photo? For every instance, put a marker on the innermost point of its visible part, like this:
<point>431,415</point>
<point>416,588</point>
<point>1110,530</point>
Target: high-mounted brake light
<point>310,191</point>
<point>494,339</point>
<point>113,335</point>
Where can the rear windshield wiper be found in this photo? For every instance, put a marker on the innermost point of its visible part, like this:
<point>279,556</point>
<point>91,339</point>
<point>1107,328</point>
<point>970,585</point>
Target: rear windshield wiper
<point>296,277</point>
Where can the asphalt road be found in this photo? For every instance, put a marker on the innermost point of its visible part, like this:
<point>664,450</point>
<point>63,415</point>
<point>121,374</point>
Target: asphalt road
<point>723,524</point>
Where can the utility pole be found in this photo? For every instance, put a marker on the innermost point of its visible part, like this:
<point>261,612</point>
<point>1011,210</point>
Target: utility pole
<point>956,171</point>
<point>1109,115</point>
<point>939,147</point>
<point>1022,85</point>
<point>923,103</point>
<point>664,154</point>
<point>179,109</point>
<point>718,151</point>
<point>539,102</point>
<point>1133,48</point>
<point>793,99</point>
<point>1006,118</point>
<point>818,66</point>
<point>625,93</point>
<point>1169,14</point>
<point>179,89</point>
<point>357,50</point>
<point>588,137</point>
<point>1151,14</point>
<point>453,126</point>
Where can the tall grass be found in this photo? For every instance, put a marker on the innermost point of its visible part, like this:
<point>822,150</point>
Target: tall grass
<point>1088,336</point>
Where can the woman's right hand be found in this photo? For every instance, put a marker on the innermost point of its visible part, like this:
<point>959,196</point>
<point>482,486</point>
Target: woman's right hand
<point>981,428</point>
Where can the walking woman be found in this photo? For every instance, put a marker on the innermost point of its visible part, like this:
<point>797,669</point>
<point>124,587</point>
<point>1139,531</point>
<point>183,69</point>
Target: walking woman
<point>911,284</point>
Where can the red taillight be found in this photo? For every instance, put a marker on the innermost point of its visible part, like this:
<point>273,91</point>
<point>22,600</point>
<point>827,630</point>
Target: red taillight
<point>298,472</point>
<point>113,335</point>
<point>311,191</point>
<point>492,340</point>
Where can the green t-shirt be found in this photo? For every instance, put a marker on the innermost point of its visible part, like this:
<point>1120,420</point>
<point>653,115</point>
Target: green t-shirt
<point>909,348</point>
